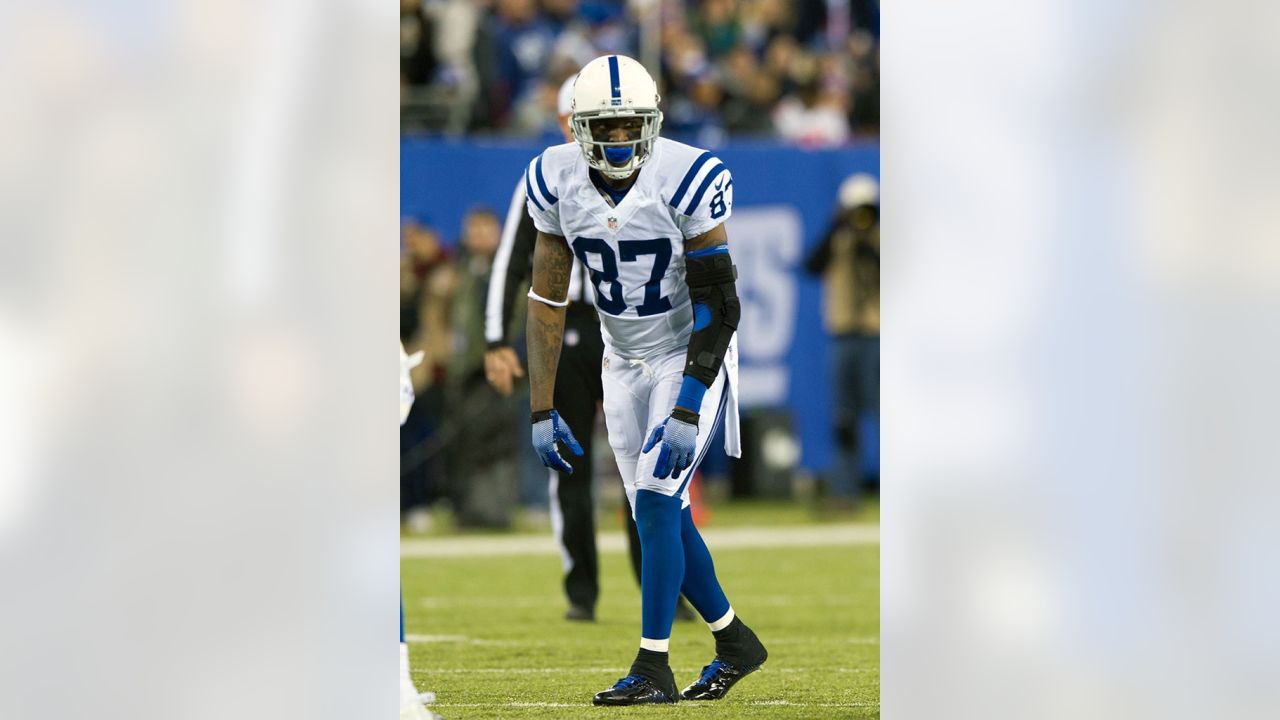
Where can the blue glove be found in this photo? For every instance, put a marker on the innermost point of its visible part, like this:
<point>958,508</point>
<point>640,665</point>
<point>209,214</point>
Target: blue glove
<point>679,436</point>
<point>547,429</point>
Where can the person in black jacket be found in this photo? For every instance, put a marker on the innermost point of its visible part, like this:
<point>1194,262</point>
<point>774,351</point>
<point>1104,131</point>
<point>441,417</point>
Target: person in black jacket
<point>578,393</point>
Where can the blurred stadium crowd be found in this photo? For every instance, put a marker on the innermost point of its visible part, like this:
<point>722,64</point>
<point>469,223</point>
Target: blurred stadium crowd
<point>804,71</point>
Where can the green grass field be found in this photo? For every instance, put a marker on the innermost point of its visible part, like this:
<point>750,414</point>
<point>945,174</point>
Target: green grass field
<point>486,635</point>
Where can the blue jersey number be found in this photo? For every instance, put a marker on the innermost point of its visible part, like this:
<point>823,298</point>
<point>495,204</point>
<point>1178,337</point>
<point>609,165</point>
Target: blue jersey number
<point>718,206</point>
<point>660,249</point>
<point>613,303</point>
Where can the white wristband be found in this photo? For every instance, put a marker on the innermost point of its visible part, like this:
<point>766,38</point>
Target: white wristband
<point>535,296</point>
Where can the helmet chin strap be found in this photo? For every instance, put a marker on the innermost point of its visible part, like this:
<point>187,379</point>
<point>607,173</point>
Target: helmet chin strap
<point>616,173</point>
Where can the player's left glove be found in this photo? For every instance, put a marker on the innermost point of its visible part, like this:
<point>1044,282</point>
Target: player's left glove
<point>548,428</point>
<point>679,436</point>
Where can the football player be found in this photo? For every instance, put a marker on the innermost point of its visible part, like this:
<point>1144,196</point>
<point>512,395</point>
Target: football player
<point>578,392</point>
<point>646,216</point>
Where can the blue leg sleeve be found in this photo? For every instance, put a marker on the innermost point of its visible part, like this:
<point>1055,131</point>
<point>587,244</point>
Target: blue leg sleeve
<point>700,583</point>
<point>661,561</point>
<point>402,616</point>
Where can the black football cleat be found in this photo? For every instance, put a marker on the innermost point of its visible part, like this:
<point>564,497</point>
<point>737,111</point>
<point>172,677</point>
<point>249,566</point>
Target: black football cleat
<point>738,654</point>
<point>635,690</point>
<point>716,679</point>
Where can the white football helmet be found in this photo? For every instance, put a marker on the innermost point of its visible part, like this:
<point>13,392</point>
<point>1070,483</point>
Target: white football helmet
<point>615,115</point>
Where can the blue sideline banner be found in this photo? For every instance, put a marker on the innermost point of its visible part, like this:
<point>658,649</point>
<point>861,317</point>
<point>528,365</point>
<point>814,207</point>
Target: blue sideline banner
<point>784,198</point>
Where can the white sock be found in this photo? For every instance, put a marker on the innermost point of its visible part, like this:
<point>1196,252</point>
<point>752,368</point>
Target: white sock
<point>723,622</point>
<point>404,662</point>
<point>655,645</point>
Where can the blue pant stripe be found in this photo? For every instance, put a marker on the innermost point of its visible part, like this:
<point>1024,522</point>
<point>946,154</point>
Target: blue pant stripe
<point>715,425</point>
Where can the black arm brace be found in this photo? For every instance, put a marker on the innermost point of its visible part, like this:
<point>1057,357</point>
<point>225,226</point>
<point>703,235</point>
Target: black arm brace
<point>711,284</point>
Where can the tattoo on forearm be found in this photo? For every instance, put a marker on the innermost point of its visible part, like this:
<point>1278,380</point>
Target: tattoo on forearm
<point>544,336</point>
<point>555,260</point>
<point>552,266</point>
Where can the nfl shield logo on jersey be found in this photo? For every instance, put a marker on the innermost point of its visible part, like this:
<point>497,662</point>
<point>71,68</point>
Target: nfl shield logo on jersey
<point>613,224</point>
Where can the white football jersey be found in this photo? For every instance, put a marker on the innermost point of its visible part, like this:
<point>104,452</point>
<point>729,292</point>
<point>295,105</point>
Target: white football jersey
<point>634,252</point>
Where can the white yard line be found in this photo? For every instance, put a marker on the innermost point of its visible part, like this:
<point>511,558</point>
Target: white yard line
<point>716,538</point>
<point>426,639</point>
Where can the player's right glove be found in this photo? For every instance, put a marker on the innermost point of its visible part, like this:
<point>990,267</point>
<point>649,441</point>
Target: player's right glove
<point>548,428</point>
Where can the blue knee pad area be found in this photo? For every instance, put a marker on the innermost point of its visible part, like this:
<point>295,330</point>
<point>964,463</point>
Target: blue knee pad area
<point>662,561</point>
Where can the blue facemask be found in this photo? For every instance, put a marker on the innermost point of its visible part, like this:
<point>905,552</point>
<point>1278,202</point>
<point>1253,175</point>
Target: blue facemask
<point>618,155</point>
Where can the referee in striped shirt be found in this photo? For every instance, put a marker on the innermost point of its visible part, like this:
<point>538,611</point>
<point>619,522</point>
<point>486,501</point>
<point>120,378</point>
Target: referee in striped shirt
<point>578,392</point>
